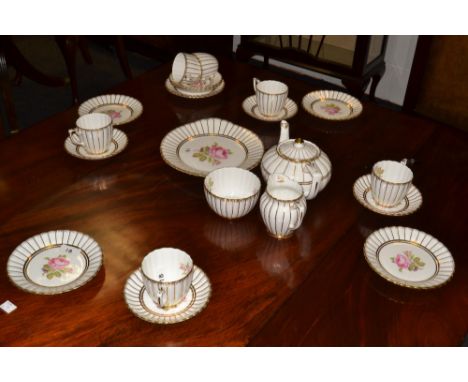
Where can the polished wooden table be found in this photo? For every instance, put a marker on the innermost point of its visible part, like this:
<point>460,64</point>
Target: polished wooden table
<point>312,289</point>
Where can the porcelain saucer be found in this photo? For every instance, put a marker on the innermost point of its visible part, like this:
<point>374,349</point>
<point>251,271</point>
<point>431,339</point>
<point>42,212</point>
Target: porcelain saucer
<point>362,192</point>
<point>250,107</point>
<point>54,262</point>
<point>140,303</point>
<point>332,105</point>
<point>121,108</point>
<point>409,257</point>
<point>216,89</point>
<point>118,143</point>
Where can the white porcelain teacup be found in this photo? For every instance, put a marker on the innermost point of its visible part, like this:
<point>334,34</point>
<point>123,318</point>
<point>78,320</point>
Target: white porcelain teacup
<point>208,63</point>
<point>186,67</point>
<point>93,131</point>
<point>282,206</point>
<point>271,96</point>
<point>390,182</point>
<point>232,192</point>
<point>167,276</point>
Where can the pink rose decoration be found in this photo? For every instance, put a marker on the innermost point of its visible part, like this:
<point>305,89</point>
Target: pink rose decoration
<point>402,261</point>
<point>332,110</point>
<point>58,262</point>
<point>114,114</point>
<point>218,152</point>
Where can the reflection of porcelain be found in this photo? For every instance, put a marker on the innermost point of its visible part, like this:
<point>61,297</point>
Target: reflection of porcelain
<point>409,257</point>
<point>140,303</point>
<point>121,108</point>
<point>93,133</point>
<point>299,160</point>
<point>282,206</point>
<point>118,143</point>
<point>271,96</point>
<point>332,105</point>
<point>274,258</point>
<point>167,275</point>
<point>232,235</point>
<point>409,204</point>
<point>232,192</point>
<point>251,108</point>
<point>54,262</point>
<point>390,182</point>
<point>202,146</point>
<point>186,113</point>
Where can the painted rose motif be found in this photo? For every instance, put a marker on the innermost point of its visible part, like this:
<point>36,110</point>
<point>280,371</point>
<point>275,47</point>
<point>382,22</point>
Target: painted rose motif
<point>407,260</point>
<point>113,114</point>
<point>379,171</point>
<point>56,267</point>
<point>214,154</point>
<point>331,109</point>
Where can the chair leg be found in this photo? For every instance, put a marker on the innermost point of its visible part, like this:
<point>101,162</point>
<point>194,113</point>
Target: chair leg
<point>375,81</point>
<point>68,45</point>
<point>7,108</point>
<point>356,86</point>
<point>122,56</point>
<point>85,50</point>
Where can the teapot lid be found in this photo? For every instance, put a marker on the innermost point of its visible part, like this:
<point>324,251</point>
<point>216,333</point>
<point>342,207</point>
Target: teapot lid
<point>298,150</point>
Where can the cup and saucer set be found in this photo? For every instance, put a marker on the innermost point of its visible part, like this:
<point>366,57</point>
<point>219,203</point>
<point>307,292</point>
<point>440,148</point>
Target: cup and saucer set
<point>388,190</point>
<point>95,136</point>
<point>168,287</point>
<point>270,103</point>
<point>195,75</point>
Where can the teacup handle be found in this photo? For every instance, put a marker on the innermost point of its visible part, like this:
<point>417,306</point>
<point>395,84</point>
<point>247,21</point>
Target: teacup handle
<point>316,178</point>
<point>161,297</point>
<point>255,83</point>
<point>404,161</point>
<point>300,215</point>
<point>74,137</point>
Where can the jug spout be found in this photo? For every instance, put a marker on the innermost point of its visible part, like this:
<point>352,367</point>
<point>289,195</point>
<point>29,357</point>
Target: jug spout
<point>284,135</point>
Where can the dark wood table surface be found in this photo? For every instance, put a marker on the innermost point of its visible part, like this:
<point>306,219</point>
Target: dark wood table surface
<point>312,289</point>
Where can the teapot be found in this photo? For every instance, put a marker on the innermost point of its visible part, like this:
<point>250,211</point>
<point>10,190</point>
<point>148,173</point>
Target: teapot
<point>300,160</point>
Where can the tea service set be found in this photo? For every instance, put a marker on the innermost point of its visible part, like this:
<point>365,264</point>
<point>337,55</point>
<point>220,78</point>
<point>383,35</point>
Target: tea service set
<point>168,287</point>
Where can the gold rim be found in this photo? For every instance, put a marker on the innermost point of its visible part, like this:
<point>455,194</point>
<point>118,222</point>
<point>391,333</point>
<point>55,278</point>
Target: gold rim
<point>387,181</point>
<point>286,201</point>
<point>232,199</point>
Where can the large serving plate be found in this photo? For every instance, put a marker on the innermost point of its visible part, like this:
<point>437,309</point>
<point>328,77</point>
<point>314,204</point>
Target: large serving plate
<point>332,105</point>
<point>200,147</point>
<point>409,257</point>
<point>54,262</point>
<point>121,108</point>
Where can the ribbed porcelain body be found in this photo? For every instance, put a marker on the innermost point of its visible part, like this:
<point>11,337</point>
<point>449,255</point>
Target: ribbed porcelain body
<point>298,165</point>
<point>282,206</point>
